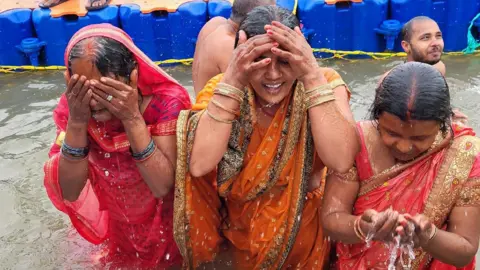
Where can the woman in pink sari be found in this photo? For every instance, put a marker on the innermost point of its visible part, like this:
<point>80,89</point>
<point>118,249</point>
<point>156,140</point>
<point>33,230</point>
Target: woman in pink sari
<point>111,168</point>
<point>416,182</point>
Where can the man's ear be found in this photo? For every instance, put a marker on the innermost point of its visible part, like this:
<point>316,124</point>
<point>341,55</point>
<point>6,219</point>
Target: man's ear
<point>406,46</point>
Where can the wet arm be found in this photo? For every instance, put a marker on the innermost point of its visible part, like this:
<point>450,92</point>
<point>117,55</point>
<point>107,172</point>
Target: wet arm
<point>158,170</point>
<point>211,137</point>
<point>459,244</point>
<point>73,174</point>
<point>333,129</point>
<point>337,209</point>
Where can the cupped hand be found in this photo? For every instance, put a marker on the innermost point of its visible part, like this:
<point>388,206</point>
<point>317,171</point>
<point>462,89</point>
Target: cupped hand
<point>379,226</point>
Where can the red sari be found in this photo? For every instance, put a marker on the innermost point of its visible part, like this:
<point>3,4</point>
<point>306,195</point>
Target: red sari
<point>448,175</point>
<point>116,207</point>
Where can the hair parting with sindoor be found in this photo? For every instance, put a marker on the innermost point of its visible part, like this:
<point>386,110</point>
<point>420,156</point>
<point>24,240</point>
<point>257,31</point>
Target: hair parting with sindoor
<point>109,56</point>
<point>414,91</point>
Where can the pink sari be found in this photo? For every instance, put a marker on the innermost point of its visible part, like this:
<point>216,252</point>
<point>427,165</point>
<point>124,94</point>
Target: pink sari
<point>446,176</point>
<point>116,207</point>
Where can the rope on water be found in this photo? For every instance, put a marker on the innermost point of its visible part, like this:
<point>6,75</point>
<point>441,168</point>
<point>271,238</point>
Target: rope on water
<point>472,43</point>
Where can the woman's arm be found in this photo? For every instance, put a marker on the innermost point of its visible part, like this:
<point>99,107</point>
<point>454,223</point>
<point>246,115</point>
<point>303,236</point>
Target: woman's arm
<point>213,130</point>
<point>338,202</point>
<point>333,129</point>
<point>340,195</point>
<point>158,170</point>
<point>459,244</point>
<point>73,174</point>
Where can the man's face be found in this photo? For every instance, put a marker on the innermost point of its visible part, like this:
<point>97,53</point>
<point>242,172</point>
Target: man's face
<point>426,42</point>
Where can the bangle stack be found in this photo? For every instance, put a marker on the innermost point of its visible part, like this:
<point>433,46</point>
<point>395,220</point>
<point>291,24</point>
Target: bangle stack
<point>358,230</point>
<point>229,91</point>
<point>319,95</point>
<point>145,154</point>
<point>73,153</point>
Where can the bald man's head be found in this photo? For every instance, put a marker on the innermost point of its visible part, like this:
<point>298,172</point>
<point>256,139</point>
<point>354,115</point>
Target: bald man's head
<point>408,28</point>
<point>422,40</point>
<point>240,8</point>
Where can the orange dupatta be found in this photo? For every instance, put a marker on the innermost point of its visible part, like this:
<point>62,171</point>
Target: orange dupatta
<point>257,199</point>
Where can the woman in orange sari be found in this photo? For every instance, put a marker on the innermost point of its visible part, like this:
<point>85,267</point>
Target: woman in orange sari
<point>111,169</point>
<point>416,183</point>
<point>251,161</point>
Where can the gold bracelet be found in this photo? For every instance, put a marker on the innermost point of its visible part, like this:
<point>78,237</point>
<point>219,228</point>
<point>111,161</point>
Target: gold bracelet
<point>322,87</point>
<point>227,93</point>
<point>358,230</point>
<point>229,87</point>
<point>433,233</point>
<point>218,119</point>
<point>231,90</point>
<point>320,100</point>
<point>219,105</point>
<point>317,94</point>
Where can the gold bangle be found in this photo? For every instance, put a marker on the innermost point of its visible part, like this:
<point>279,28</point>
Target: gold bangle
<point>319,101</point>
<point>317,94</point>
<point>358,230</point>
<point>322,87</point>
<point>227,93</point>
<point>229,87</point>
<point>219,105</point>
<point>218,119</point>
<point>433,233</point>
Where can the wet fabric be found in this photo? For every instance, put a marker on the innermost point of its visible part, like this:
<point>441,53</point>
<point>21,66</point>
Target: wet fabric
<point>256,202</point>
<point>116,207</point>
<point>448,175</point>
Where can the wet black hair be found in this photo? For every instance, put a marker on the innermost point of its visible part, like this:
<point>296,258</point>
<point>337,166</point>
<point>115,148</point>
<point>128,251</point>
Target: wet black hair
<point>414,91</point>
<point>109,56</point>
<point>241,8</point>
<point>254,23</point>
<point>408,27</point>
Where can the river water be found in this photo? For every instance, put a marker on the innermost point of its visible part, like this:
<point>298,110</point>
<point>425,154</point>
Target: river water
<point>34,235</point>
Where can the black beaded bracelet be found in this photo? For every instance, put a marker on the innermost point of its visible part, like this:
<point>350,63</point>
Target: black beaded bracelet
<point>145,153</point>
<point>80,152</point>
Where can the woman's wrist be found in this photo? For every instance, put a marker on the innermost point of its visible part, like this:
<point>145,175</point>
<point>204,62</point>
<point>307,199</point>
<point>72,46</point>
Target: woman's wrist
<point>313,79</point>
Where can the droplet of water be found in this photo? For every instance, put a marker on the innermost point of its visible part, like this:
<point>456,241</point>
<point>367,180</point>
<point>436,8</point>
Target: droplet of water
<point>107,173</point>
<point>107,155</point>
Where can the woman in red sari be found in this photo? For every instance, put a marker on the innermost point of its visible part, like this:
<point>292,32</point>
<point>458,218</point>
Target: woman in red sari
<point>111,169</point>
<point>416,181</point>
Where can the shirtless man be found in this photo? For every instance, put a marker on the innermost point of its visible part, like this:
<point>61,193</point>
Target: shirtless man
<point>216,41</point>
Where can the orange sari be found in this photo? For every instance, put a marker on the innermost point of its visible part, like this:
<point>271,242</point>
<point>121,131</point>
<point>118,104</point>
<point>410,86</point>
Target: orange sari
<point>448,175</point>
<point>257,198</point>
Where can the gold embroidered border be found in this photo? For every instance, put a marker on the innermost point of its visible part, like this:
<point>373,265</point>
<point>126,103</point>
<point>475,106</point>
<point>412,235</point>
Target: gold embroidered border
<point>180,219</point>
<point>453,173</point>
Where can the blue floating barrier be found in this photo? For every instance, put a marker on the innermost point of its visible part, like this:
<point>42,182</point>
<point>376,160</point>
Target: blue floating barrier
<point>390,30</point>
<point>217,8</point>
<point>15,25</point>
<point>452,16</point>
<point>163,35</point>
<point>56,32</point>
<point>343,25</point>
<point>224,7</point>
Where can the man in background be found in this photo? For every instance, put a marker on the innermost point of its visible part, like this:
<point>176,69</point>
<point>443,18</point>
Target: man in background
<point>423,42</point>
<point>216,41</point>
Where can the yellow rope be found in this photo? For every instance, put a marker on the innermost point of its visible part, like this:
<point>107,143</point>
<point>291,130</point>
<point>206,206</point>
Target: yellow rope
<point>295,7</point>
<point>335,54</point>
